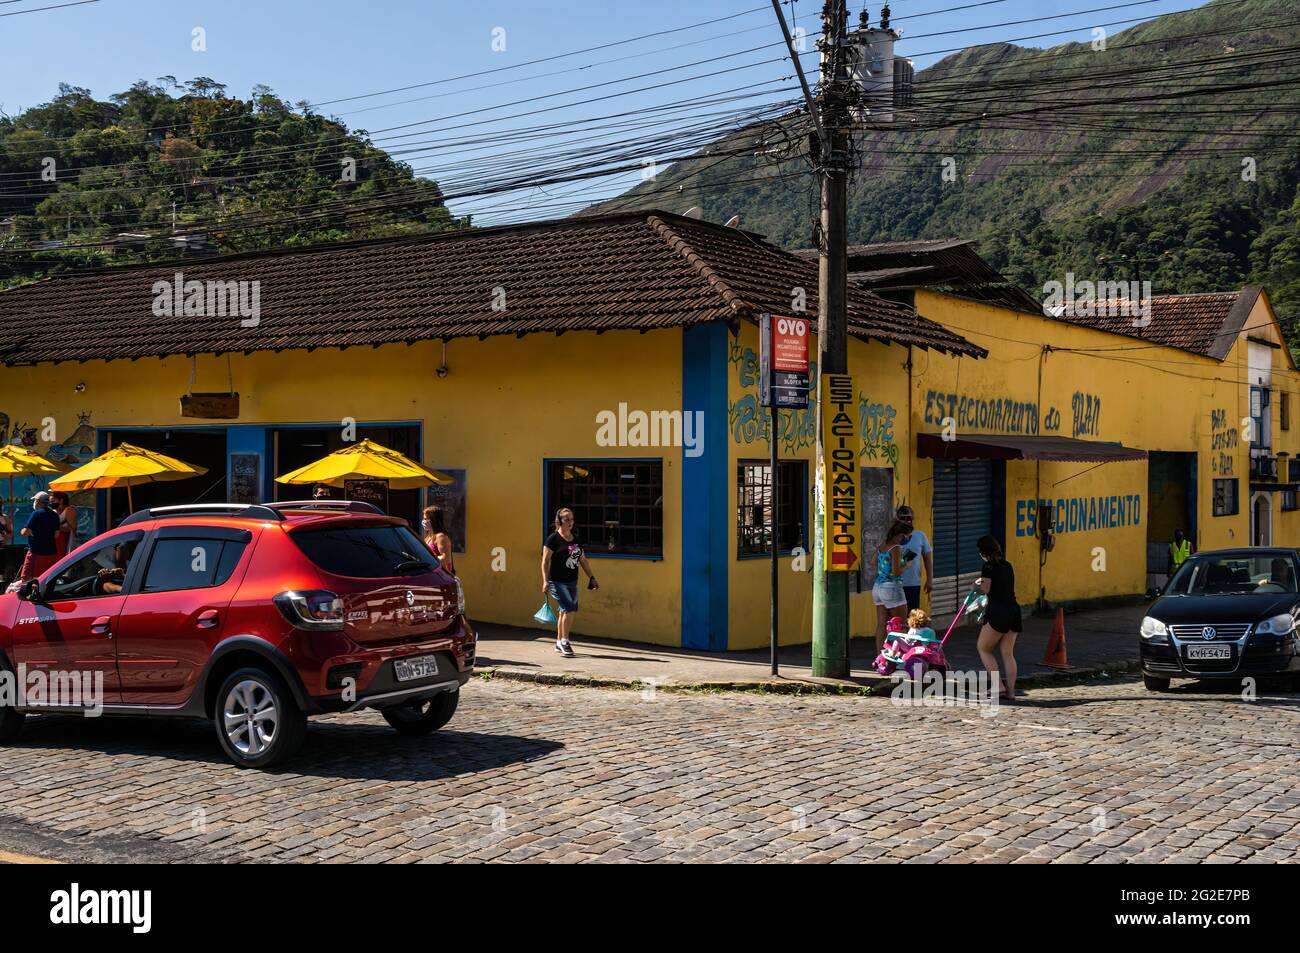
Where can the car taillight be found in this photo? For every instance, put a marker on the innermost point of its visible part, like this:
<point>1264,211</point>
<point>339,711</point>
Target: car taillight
<point>316,609</point>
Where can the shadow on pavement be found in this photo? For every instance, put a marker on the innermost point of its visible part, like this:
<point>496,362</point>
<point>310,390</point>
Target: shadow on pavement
<point>333,748</point>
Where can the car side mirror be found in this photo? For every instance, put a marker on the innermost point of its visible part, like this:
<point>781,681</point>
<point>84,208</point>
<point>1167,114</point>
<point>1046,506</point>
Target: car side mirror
<point>30,591</point>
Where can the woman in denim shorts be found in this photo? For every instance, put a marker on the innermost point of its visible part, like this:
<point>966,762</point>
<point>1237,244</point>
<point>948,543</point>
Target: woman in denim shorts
<point>888,593</point>
<point>561,556</point>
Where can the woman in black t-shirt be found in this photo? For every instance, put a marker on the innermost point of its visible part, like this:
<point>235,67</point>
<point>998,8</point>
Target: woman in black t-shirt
<point>1002,622</point>
<point>561,556</point>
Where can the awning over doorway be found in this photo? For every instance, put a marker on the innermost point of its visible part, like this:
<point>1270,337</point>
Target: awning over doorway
<point>1000,447</point>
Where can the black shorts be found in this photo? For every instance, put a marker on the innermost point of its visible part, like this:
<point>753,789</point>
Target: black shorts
<point>1003,618</point>
<point>913,594</point>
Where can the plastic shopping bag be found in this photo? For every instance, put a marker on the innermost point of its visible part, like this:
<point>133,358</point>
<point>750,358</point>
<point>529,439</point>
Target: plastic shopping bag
<point>545,615</point>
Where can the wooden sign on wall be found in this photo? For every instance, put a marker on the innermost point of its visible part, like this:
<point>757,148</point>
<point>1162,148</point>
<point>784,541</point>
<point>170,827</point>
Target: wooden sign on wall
<point>210,406</point>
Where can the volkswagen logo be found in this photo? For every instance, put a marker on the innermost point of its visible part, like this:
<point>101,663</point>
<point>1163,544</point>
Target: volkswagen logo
<point>410,601</point>
<point>1207,633</point>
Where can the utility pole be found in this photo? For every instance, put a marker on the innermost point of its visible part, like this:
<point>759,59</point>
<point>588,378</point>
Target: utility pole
<point>831,120</point>
<point>830,645</point>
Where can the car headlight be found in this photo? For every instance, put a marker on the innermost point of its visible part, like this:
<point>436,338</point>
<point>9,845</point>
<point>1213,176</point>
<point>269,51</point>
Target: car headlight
<point>1154,629</point>
<point>1278,625</point>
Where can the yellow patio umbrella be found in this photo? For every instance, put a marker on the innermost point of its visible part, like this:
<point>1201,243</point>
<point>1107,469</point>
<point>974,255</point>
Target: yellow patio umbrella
<point>127,465</point>
<point>367,460</point>
<point>19,461</point>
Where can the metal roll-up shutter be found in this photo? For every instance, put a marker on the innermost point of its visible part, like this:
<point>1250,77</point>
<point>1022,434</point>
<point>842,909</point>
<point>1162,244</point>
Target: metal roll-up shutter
<point>963,512</point>
<point>943,597</point>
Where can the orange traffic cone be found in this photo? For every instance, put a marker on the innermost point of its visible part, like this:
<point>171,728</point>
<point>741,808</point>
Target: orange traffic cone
<point>1055,656</point>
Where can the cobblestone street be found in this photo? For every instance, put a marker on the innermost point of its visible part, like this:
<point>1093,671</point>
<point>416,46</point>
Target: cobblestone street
<point>1104,772</point>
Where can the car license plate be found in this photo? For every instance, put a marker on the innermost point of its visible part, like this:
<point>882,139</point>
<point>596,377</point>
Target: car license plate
<point>409,669</point>
<point>1209,651</point>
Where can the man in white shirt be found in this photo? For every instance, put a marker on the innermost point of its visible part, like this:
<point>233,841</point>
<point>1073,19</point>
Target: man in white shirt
<point>916,551</point>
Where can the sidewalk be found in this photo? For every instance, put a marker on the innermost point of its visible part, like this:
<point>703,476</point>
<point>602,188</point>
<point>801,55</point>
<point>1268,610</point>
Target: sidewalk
<point>1099,640</point>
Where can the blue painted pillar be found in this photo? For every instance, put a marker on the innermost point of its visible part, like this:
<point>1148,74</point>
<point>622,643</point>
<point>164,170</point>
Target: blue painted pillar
<point>705,520</point>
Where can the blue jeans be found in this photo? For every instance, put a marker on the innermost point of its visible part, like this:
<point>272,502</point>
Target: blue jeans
<point>565,594</point>
<point>913,597</point>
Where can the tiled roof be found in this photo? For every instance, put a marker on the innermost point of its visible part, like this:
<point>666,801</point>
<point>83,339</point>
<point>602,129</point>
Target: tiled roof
<point>948,264</point>
<point>640,270</point>
<point>1205,324</point>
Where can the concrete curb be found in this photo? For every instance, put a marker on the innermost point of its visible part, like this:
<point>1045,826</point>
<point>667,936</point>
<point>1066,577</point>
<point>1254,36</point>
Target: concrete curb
<point>875,684</point>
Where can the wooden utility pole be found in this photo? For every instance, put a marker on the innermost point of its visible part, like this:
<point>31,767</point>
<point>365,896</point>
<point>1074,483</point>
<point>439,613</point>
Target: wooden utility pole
<point>829,112</point>
<point>830,642</point>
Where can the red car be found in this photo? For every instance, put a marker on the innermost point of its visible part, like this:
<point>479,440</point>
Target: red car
<point>254,616</point>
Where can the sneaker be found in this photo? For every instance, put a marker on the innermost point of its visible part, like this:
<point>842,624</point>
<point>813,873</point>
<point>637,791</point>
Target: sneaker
<point>564,648</point>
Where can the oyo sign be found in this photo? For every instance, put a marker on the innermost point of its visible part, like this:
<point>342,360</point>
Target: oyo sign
<point>789,344</point>
<point>783,361</point>
<point>842,443</point>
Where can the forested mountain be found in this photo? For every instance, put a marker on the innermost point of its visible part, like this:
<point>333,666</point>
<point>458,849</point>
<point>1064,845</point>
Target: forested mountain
<point>98,182</point>
<point>1174,150</point>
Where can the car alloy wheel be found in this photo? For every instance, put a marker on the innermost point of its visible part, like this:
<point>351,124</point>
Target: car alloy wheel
<point>257,720</point>
<point>250,718</point>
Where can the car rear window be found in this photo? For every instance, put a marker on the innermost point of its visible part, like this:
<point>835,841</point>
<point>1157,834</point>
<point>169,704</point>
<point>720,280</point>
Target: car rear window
<point>368,552</point>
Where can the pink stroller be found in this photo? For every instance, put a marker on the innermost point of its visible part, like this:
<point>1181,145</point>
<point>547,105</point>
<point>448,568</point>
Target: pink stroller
<point>917,651</point>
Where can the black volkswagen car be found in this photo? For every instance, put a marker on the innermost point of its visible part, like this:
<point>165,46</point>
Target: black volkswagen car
<point>1227,614</point>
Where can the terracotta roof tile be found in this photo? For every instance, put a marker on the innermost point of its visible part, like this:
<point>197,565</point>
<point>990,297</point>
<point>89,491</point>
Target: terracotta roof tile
<point>640,271</point>
<point>1205,324</point>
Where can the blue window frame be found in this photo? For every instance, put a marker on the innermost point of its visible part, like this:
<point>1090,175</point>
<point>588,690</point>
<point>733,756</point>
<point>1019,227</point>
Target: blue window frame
<point>618,505</point>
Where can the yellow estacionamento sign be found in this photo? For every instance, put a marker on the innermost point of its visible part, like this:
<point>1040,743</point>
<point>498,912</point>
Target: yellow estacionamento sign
<point>842,443</point>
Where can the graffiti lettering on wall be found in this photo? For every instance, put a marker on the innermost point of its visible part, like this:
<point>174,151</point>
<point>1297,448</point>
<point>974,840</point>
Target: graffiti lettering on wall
<point>749,421</point>
<point>71,451</point>
<point>1087,413</point>
<point>1223,438</point>
<point>975,413</point>
<point>876,422</point>
<point>1081,513</point>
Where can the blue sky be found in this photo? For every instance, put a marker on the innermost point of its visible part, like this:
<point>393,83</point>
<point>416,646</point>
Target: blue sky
<point>323,50</point>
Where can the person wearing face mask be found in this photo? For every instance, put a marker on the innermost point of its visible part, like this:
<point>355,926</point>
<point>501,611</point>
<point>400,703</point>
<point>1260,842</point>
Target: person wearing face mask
<point>433,526</point>
<point>887,593</point>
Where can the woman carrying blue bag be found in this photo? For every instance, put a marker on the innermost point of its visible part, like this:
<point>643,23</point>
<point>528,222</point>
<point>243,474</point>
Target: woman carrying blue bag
<point>561,556</point>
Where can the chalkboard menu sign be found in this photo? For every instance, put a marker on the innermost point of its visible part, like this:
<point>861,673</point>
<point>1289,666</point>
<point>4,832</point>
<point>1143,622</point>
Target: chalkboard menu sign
<point>368,491</point>
<point>245,478</point>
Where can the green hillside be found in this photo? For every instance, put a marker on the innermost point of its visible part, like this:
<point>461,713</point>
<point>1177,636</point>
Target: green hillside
<point>1138,150</point>
<point>77,174</point>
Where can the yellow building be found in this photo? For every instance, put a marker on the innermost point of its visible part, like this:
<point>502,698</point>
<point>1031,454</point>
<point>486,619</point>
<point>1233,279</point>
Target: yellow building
<point>581,363</point>
<point>611,365</point>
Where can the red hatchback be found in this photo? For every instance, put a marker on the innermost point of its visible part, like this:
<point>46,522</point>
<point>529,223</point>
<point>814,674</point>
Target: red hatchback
<point>253,616</point>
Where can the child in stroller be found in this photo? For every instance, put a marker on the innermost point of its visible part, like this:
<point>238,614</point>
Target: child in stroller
<point>914,651</point>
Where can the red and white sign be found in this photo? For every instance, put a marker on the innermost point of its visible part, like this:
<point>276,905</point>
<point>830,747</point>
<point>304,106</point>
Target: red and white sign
<point>790,344</point>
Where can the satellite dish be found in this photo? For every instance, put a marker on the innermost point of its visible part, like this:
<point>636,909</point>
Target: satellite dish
<point>694,212</point>
<point>733,222</point>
